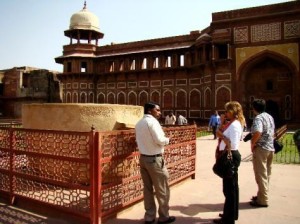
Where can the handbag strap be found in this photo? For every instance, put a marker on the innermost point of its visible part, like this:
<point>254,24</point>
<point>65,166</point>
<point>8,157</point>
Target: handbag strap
<point>229,153</point>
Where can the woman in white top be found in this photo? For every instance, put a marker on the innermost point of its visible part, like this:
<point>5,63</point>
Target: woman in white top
<point>230,134</point>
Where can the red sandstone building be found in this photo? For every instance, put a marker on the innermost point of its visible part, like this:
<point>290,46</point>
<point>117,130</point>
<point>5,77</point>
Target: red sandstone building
<point>22,85</point>
<point>243,54</point>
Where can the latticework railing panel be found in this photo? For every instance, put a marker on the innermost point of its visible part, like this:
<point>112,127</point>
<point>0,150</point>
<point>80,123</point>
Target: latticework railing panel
<point>64,197</point>
<point>60,156</point>
<point>116,169</point>
<point>4,182</point>
<point>180,134</point>
<point>55,169</point>
<point>181,170</point>
<point>69,144</point>
<point>117,143</point>
<point>119,159</point>
<point>52,167</point>
<point>117,196</point>
<point>68,170</point>
<point>4,142</point>
<point>179,152</point>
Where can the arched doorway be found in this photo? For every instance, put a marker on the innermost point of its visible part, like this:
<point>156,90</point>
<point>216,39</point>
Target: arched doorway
<point>269,77</point>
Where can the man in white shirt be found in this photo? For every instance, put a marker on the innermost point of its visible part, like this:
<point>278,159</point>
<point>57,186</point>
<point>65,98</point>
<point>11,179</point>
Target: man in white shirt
<point>170,119</point>
<point>181,120</point>
<point>151,140</point>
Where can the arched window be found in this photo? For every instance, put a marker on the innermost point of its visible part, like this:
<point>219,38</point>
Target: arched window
<point>132,99</point>
<point>143,98</point>
<point>91,98</point>
<point>132,65</point>
<point>101,98</point>
<point>69,98</point>
<point>155,97</point>
<point>181,99</point>
<point>121,98</point>
<point>207,98</point>
<point>83,98</point>
<point>195,99</point>
<point>75,98</point>
<point>111,98</point>
<point>168,99</point>
<point>222,96</point>
<point>145,64</point>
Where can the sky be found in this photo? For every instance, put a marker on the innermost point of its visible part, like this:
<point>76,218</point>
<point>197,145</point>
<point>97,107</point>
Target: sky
<point>32,31</point>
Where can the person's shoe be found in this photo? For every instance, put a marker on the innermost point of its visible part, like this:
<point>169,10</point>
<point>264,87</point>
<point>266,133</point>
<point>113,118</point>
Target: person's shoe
<point>255,204</point>
<point>218,221</point>
<point>150,222</point>
<point>221,216</point>
<point>169,220</point>
<point>254,198</point>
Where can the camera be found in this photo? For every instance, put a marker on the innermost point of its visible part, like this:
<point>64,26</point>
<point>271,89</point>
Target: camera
<point>247,137</point>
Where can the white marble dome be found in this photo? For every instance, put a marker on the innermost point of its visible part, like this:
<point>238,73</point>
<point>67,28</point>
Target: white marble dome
<point>85,20</point>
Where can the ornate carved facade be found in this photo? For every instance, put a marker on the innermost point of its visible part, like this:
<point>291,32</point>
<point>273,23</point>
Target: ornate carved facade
<point>243,54</point>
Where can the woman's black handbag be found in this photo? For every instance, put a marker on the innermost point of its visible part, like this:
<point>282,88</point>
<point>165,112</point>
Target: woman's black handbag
<point>277,146</point>
<point>247,137</point>
<point>224,166</point>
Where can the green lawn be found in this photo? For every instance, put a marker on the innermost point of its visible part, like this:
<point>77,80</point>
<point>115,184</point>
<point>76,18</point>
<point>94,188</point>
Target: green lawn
<point>289,153</point>
<point>201,133</point>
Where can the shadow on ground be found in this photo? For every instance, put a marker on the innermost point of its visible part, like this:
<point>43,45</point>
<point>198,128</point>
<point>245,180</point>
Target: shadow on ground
<point>186,220</point>
<point>13,215</point>
<point>10,214</point>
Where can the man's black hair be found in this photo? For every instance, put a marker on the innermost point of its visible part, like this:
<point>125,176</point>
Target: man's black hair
<point>148,106</point>
<point>259,105</point>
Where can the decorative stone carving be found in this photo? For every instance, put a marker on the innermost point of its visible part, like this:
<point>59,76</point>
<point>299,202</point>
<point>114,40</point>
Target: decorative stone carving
<point>266,32</point>
<point>241,34</point>
<point>291,29</point>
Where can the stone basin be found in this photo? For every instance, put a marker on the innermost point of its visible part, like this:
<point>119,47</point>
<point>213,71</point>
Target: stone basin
<point>80,117</point>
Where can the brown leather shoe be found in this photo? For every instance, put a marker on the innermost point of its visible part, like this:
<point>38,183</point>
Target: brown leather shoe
<point>150,222</point>
<point>169,220</point>
<point>218,221</point>
<point>255,204</point>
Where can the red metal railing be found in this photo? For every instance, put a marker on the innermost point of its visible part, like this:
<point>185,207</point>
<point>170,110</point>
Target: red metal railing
<point>89,174</point>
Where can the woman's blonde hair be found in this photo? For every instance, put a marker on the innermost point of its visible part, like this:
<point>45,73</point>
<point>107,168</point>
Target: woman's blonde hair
<point>235,108</point>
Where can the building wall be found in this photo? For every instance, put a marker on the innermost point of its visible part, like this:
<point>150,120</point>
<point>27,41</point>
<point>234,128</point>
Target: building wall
<point>197,73</point>
<point>24,85</point>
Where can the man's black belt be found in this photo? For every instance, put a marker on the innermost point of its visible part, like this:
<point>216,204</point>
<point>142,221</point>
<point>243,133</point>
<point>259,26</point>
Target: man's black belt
<point>156,155</point>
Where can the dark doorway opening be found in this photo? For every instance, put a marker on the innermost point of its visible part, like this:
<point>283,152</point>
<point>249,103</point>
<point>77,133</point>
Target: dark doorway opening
<point>272,108</point>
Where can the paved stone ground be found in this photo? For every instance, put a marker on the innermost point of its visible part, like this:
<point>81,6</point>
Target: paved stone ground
<point>200,200</point>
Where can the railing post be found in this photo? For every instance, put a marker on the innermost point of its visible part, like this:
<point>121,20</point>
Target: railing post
<point>95,178</point>
<point>11,165</point>
<point>195,134</point>
<point>92,176</point>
